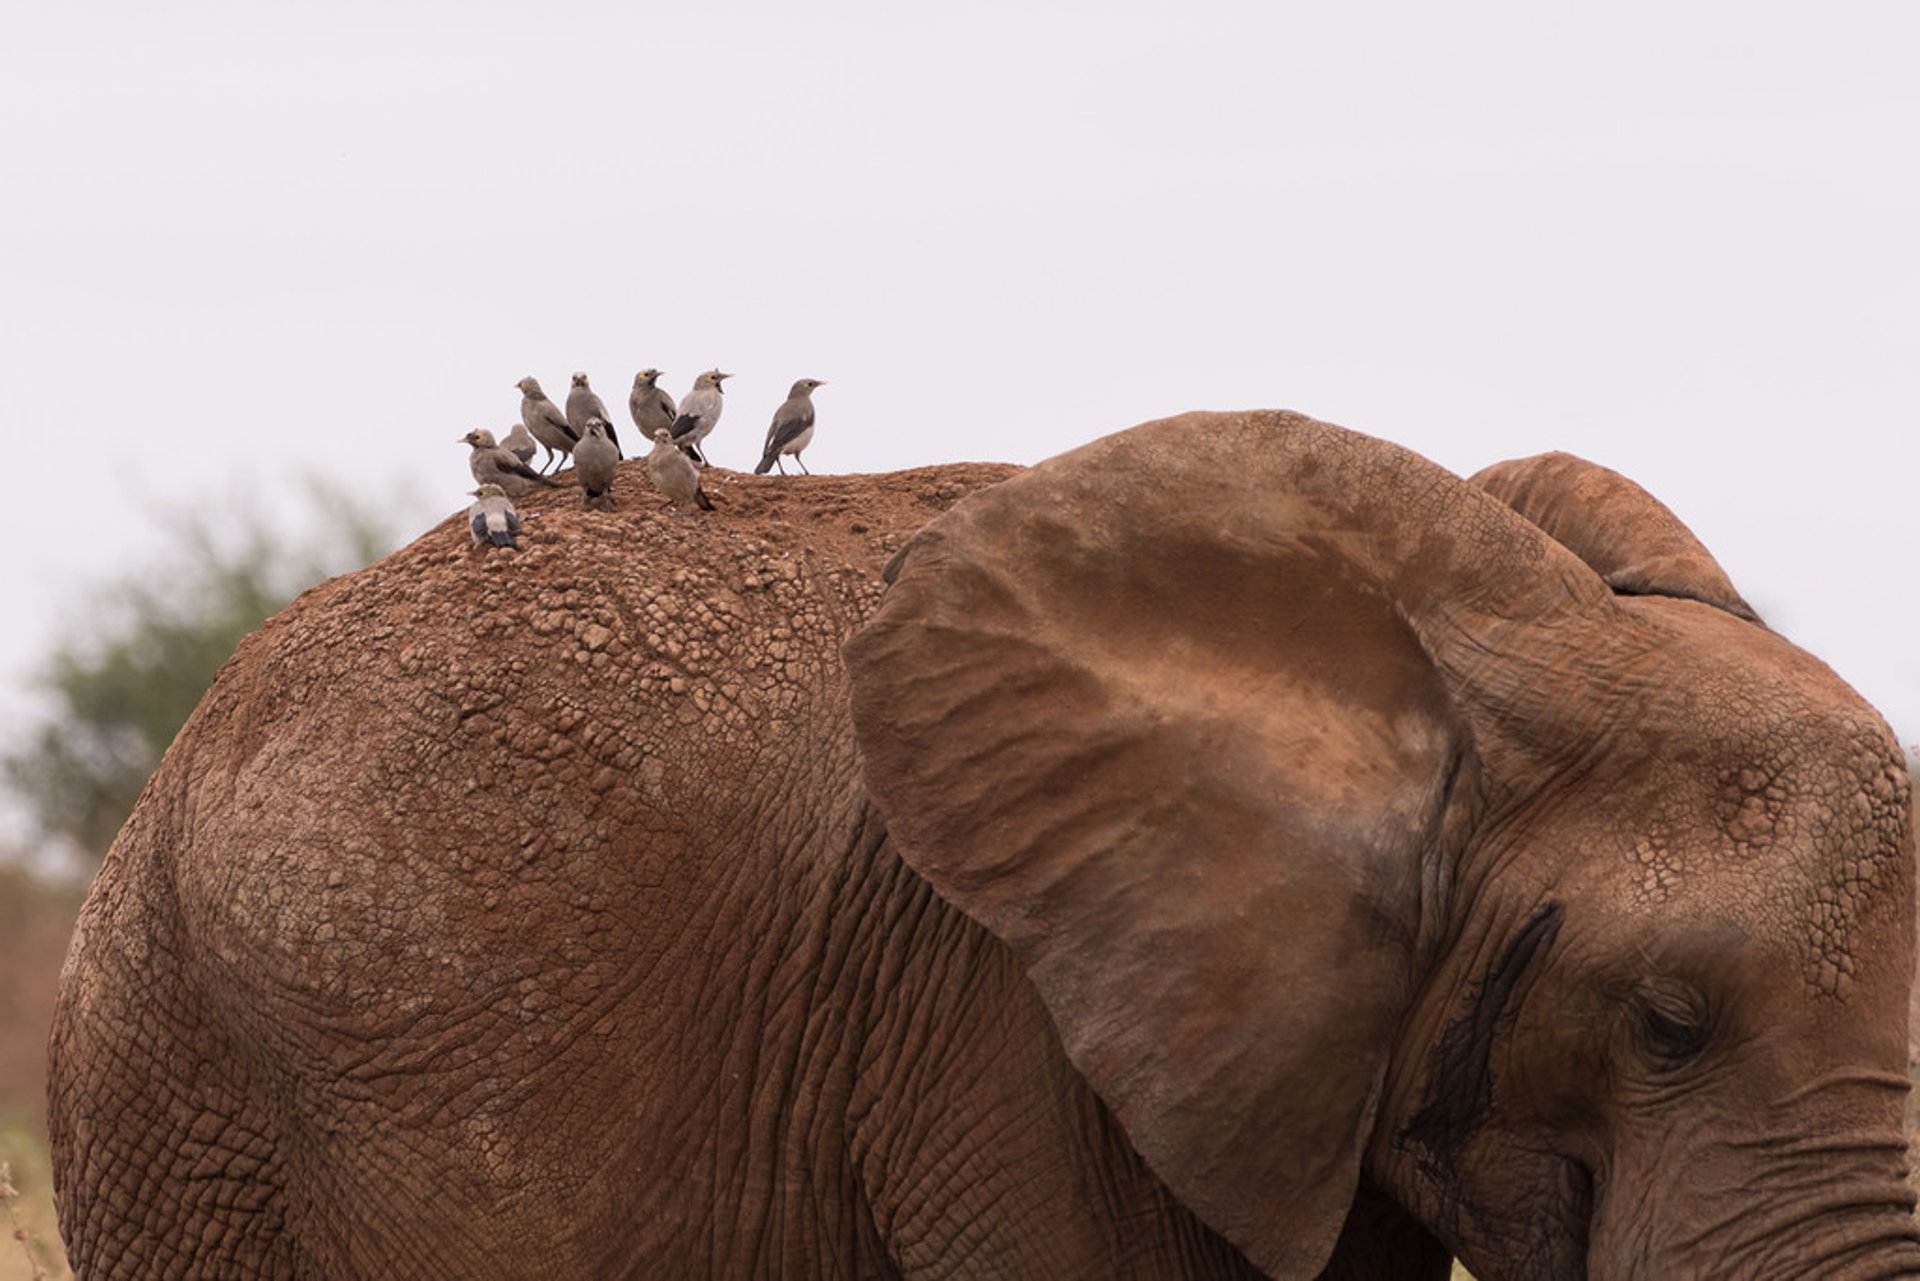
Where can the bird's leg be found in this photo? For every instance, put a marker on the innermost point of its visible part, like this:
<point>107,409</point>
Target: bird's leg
<point>803,465</point>
<point>780,461</point>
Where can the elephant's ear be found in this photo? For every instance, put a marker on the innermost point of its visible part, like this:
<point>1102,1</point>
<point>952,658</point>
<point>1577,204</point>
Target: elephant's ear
<point>1628,536</point>
<point>1179,716</point>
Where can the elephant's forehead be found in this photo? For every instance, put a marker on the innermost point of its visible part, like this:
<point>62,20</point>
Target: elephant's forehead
<point>1761,782</point>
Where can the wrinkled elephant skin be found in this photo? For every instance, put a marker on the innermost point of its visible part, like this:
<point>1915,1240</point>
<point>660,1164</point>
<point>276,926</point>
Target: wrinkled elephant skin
<point>1235,847</point>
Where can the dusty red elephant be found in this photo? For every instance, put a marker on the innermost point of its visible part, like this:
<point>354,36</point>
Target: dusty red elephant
<point>1235,846</point>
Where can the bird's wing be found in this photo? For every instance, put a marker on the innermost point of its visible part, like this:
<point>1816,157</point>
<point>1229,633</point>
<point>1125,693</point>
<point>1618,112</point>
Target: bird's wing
<point>477,522</point>
<point>512,463</point>
<point>788,422</point>
<point>700,408</point>
<point>559,420</point>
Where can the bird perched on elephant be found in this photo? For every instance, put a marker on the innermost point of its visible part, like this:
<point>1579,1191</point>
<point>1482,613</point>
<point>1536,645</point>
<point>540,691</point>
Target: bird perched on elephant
<point>583,406</point>
<point>792,428</point>
<point>493,465</point>
<point>1236,847</point>
<point>543,418</point>
<point>650,404</point>
<point>700,414</point>
<point>674,474</point>
<point>520,443</point>
<point>594,459</point>
<point>491,517</point>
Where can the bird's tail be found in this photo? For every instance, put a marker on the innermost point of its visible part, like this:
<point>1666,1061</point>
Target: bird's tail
<point>702,501</point>
<point>761,468</point>
<point>501,538</point>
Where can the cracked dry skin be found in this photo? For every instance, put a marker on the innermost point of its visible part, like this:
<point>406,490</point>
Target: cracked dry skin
<point>407,963</point>
<point>1403,887</point>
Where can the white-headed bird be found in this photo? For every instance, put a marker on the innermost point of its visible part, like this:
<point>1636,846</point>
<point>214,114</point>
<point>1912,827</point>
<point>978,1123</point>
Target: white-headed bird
<point>792,429</point>
<point>699,414</point>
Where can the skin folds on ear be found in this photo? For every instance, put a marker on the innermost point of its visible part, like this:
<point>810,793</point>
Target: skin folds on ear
<point>1627,535</point>
<point>1172,715</point>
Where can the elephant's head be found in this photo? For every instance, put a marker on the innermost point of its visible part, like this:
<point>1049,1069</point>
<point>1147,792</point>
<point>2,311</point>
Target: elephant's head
<point>1358,836</point>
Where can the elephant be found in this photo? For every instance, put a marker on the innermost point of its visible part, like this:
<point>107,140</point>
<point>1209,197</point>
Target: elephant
<point>1235,847</point>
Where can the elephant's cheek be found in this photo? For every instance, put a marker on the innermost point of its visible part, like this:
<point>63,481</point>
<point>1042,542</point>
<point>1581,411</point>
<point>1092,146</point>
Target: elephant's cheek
<point>1525,1214</point>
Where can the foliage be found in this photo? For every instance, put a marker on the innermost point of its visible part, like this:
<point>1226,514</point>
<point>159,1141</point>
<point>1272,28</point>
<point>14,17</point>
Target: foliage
<point>121,685</point>
<point>27,1221</point>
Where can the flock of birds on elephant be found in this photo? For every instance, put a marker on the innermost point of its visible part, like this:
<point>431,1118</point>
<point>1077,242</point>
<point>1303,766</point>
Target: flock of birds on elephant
<point>583,432</point>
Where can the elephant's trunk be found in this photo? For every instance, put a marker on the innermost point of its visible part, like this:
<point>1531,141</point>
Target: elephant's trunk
<point>1835,1207</point>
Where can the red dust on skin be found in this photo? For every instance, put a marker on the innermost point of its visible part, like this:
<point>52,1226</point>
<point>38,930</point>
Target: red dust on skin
<point>536,913</point>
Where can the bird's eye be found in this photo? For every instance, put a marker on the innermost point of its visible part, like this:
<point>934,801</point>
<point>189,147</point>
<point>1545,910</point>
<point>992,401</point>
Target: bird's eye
<point>1673,1019</point>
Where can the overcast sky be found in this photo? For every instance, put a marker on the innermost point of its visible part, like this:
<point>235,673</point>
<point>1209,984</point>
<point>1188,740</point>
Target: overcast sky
<point>246,241</point>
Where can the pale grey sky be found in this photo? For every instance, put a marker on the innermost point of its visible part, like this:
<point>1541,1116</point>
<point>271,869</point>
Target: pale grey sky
<point>245,240</point>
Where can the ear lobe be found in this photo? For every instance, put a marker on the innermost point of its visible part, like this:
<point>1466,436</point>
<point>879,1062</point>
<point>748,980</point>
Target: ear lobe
<point>1165,715</point>
<point>1629,537</point>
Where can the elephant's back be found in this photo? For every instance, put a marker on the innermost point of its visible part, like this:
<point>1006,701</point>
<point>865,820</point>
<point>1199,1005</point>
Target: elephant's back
<point>423,803</point>
<point>448,690</point>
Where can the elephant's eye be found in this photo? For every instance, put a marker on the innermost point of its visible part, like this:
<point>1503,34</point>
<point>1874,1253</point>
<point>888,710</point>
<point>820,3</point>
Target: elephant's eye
<point>1673,1020</point>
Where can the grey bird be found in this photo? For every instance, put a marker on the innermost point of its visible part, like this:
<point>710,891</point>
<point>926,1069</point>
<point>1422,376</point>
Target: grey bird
<point>593,460</point>
<point>544,419</point>
<point>792,429</point>
<point>520,443</point>
<point>583,402</point>
<point>652,408</point>
<point>699,414</point>
<point>492,517</point>
<point>673,474</point>
<point>493,465</point>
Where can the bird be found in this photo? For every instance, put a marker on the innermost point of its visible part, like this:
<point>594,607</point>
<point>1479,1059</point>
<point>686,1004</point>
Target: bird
<point>673,474</point>
<point>649,403</point>
<point>544,419</point>
<point>583,402</point>
<point>520,443</point>
<point>792,429</point>
<point>593,460</point>
<point>699,414</point>
<point>493,465</point>
<point>492,517</point>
